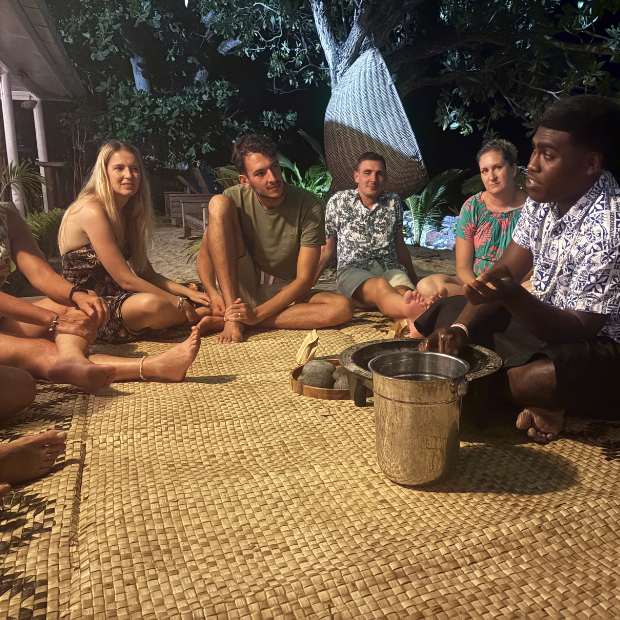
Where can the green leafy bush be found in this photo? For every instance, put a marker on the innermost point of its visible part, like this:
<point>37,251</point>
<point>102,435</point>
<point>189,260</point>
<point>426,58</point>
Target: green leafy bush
<point>45,227</point>
<point>424,207</point>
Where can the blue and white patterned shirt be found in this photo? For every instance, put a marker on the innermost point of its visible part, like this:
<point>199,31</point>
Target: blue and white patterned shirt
<point>364,235</point>
<point>589,279</point>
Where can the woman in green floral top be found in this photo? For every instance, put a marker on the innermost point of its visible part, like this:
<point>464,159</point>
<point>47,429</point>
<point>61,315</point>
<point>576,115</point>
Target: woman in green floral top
<point>486,222</point>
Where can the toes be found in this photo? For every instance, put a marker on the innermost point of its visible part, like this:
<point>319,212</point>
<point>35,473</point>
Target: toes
<point>524,420</point>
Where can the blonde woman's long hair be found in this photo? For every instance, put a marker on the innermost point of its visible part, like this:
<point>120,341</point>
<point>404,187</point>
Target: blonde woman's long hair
<point>134,225</point>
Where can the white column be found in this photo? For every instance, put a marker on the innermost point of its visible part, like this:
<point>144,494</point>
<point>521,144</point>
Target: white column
<point>10,136</point>
<point>39,129</point>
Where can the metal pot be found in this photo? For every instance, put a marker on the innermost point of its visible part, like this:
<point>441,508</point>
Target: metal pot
<point>483,362</point>
<point>417,398</point>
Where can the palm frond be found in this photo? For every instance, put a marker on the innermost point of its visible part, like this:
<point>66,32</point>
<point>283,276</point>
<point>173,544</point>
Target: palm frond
<point>317,147</point>
<point>285,162</point>
<point>424,207</point>
<point>23,174</point>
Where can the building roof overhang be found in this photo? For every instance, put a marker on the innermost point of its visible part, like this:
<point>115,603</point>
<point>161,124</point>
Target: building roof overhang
<point>32,52</point>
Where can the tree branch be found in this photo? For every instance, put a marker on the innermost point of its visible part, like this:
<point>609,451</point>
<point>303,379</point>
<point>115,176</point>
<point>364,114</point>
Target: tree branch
<point>602,50</point>
<point>326,36</point>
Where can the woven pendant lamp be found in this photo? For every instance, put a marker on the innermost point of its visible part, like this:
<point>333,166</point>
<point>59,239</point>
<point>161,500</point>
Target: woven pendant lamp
<point>365,113</point>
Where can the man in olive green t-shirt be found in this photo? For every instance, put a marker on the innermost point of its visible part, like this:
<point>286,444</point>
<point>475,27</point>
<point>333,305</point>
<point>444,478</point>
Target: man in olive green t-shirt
<point>263,243</point>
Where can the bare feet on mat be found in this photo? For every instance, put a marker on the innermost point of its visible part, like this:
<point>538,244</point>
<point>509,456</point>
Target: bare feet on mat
<point>30,457</point>
<point>172,365</point>
<point>415,306</point>
<point>82,373</point>
<point>232,332</point>
<point>542,425</point>
<point>211,324</point>
<point>5,489</point>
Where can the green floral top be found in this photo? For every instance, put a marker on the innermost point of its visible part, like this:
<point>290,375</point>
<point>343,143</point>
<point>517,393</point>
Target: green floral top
<point>489,231</point>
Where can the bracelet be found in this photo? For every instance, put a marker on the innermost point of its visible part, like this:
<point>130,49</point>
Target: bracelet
<point>181,302</point>
<point>53,324</point>
<point>462,327</point>
<point>77,289</point>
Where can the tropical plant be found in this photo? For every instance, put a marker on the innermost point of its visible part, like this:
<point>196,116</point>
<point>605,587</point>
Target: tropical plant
<point>23,175</point>
<point>424,207</point>
<point>316,179</point>
<point>45,227</point>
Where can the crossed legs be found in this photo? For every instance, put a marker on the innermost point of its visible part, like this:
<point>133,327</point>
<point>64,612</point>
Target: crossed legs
<point>223,241</point>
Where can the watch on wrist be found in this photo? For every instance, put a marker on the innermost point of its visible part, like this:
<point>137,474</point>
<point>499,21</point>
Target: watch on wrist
<point>76,289</point>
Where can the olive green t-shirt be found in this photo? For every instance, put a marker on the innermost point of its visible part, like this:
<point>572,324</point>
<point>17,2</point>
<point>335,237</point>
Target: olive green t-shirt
<point>273,236</point>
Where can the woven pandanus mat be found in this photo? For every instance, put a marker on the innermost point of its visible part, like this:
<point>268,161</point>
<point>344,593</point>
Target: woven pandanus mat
<point>229,496</point>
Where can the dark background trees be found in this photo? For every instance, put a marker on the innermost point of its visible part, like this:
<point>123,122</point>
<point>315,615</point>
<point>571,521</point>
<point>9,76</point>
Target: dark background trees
<point>183,81</point>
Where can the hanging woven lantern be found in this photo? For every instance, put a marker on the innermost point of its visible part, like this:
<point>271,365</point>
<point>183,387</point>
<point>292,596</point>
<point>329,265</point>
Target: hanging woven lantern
<point>365,113</point>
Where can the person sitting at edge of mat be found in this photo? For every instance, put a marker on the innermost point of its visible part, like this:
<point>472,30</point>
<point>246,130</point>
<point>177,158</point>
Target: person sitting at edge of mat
<point>560,344</point>
<point>263,243</point>
<point>364,226</point>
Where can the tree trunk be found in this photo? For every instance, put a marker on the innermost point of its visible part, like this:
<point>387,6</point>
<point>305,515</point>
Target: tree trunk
<point>365,112</point>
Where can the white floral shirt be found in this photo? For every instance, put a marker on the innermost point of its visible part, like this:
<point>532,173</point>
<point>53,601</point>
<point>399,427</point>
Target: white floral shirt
<point>364,235</point>
<point>582,248</point>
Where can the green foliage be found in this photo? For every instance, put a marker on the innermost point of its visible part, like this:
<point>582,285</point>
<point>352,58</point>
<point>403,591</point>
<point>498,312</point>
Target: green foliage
<point>146,65</point>
<point>316,179</point>
<point>279,33</point>
<point>23,174</point>
<point>494,58</point>
<point>527,55</point>
<point>169,128</point>
<point>45,227</point>
<point>424,207</point>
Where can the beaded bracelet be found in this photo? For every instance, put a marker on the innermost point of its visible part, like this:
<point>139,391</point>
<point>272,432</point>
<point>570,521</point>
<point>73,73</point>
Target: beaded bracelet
<point>181,302</point>
<point>462,327</point>
<point>53,324</point>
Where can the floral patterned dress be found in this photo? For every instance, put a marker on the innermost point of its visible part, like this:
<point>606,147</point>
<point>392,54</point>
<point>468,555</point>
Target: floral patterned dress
<point>489,231</point>
<point>83,268</point>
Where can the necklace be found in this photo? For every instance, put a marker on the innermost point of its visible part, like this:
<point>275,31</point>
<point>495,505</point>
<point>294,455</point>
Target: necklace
<point>540,293</point>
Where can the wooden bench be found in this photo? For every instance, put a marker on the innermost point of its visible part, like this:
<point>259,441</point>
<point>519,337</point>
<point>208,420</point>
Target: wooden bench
<point>195,214</point>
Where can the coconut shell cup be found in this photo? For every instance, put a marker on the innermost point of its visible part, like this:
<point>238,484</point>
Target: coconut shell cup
<point>314,392</point>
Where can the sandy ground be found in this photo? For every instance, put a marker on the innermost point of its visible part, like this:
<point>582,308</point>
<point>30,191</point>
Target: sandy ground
<point>169,257</point>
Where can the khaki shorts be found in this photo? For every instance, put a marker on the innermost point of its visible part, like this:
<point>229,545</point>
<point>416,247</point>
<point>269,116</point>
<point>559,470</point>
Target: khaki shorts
<point>256,287</point>
<point>351,278</point>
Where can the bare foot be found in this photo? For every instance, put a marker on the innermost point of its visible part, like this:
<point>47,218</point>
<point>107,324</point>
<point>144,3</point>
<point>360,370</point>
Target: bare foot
<point>232,332</point>
<point>542,425</point>
<point>172,365</point>
<point>82,373</point>
<point>30,457</point>
<point>211,324</point>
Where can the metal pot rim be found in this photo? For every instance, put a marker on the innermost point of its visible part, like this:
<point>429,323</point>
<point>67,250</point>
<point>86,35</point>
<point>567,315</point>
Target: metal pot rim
<point>452,357</point>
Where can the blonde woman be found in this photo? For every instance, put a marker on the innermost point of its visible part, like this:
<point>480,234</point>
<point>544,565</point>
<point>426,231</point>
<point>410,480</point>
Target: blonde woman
<point>103,241</point>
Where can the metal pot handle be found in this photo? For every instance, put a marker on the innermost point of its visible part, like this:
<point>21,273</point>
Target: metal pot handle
<point>459,386</point>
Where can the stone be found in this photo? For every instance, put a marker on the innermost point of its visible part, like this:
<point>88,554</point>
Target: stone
<point>315,365</point>
<point>318,378</point>
<point>342,383</point>
<point>339,372</point>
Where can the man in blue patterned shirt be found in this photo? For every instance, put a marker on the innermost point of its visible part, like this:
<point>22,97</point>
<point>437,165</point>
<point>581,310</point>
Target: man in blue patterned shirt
<point>561,344</point>
<point>365,227</point>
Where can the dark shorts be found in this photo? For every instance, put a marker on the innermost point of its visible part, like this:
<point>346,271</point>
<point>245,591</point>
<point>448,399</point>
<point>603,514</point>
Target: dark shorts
<point>587,371</point>
<point>116,332</point>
